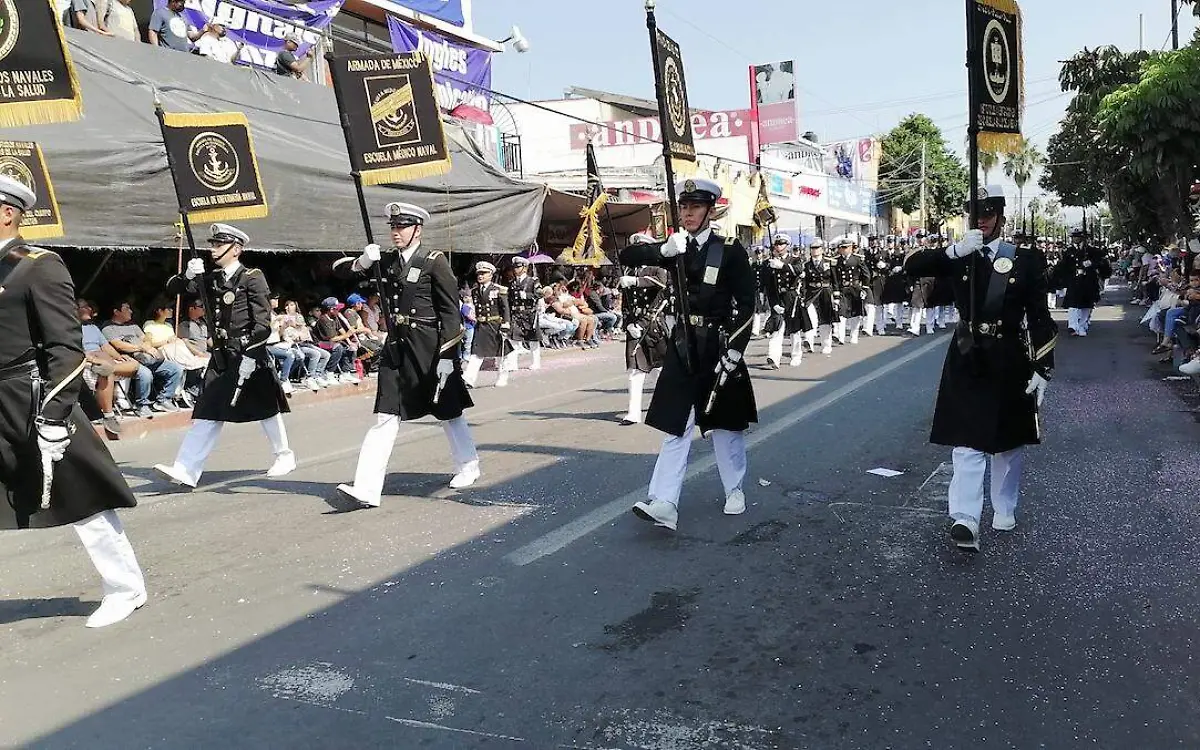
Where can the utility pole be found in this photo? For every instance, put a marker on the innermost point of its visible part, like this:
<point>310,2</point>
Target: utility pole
<point>1141,32</point>
<point>1174,24</point>
<point>924,214</point>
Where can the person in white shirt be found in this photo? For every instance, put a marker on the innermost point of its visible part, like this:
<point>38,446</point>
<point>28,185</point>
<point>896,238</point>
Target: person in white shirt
<point>217,45</point>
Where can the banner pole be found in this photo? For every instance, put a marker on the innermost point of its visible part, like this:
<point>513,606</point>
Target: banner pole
<point>972,160</point>
<point>681,288</point>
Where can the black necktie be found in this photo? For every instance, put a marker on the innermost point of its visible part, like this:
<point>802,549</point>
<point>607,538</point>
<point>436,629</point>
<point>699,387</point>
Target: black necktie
<point>692,245</point>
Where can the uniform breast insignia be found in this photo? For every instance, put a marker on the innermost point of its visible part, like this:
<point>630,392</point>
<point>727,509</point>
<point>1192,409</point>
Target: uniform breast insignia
<point>710,275</point>
<point>228,298</point>
<point>1003,265</point>
<point>413,274</point>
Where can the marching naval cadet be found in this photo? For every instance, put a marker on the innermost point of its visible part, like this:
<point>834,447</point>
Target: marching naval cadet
<point>523,295</point>
<point>997,368</point>
<point>41,423</point>
<point>818,278</point>
<point>876,261</point>
<point>491,327</point>
<point>762,308</point>
<point>715,394</point>
<point>785,294</point>
<point>419,372</point>
<point>646,305</point>
<point>895,287</point>
<point>240,384</point>
<point>1081,271</point>
<point>852,279</point>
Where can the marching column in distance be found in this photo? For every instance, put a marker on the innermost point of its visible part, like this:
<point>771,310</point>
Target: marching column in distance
<point>41,368</point>
<point>988,398</point>
<point>762,308</point>
<point>419,371</point>
<point>491,326</point>
<point>523,296</point>
<point>896,291</point>
<point>646,304</point>
<point>852,279</point>
<point>240,384</point>
<point>789,311</point>
<point>1081,271</point>
<point>818,273</point>
<point>720,289</point>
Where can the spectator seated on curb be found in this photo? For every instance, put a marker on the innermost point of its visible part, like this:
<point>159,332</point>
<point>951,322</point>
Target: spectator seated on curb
<point>333,333</point>
<point>555,320</point>
<point>570,296</point>
<point>313,358</point>
<point>163,377</point>
<point>284,353</point>
<point>368,343</point>
<point>104,366</point>
<point>160,334</point>
<point>595,297</point>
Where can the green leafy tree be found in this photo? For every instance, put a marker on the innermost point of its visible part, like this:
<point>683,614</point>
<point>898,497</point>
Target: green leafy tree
<point>900,170</point>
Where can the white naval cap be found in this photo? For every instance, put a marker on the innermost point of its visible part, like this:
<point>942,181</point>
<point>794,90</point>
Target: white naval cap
<point>519,260</point>
<point>844,241</point>
<point>483,265</point>
<point>222,233</point>
<point>991,193</point>
<point>816,243</point>
<point>781,237</point>
<point>16,194</point>
<point>697,190</point>
<point>405,214</point>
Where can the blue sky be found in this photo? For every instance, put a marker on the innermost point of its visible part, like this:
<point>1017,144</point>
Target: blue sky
<point>862,64</point>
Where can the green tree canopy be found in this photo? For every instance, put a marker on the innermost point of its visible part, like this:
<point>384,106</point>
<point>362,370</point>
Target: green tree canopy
<point>900,170</point>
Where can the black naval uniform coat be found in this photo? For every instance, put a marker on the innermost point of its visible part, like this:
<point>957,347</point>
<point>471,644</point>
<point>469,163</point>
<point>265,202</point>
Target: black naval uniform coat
<point>1081,271</point>
<point>785,288</point>
<point>647,304</point>
<point>491,312</point>
<point>39,334</point>
<point>877,265</point>
<point>981,401</point>
<point>897,289</point>
<point>819,290</point>
<point>523,296</point>
<point>762,302</point>
<point>241,307</point>
<point>720,289</point>
<point>851,279</point>
<point>424,322</point>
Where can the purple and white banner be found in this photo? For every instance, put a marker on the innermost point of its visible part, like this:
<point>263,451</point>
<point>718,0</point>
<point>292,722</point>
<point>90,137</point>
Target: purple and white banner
<point>463,74</point>
<point>449,11</point>
<point>261,25</point>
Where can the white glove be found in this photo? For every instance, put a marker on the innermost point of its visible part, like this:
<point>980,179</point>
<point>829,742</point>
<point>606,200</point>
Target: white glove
<point>628,281</point>
<point>729,360</point>
<point>776,263</point>
<point>1087,264</point>
<point>778,309</point>
<point>369,257</point>
<point>53,440</point>
<point>881,265</point>
<point>195,267</point>
<point>1037,388</point>
<point>504,326</point>
<point>897,269</point>
<point>634,330</point>
<point>246,367</point>
<point>445,368</point>
<point>972,242</point>
<point>675,245</point>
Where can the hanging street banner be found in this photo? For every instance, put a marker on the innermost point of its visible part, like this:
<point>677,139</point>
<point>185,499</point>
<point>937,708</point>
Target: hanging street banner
<point>37,80</point>
<point>391,117</point>
<point>463,74</point>
<point>997,72</point>
<point>262,25</point>
<point>773,100</point>
<point>677,130</point>
<point>214,166</point>
<point>450,11</point>
<point>23,162</point>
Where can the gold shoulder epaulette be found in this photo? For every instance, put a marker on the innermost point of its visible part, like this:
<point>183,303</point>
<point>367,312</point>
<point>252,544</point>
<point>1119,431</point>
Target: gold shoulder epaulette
<point>435,254</point>
<point>35,254</point>
<point>730,241</point>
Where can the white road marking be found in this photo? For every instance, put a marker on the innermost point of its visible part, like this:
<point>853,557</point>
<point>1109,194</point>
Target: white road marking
<point>443,686</point>
<point>444,728</point>
<point>555,540</point>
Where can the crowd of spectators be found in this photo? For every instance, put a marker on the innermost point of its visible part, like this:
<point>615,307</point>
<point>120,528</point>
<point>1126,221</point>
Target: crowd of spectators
<point>1167,282</point>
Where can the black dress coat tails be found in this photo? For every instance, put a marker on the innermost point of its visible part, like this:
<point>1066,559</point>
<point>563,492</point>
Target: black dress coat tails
<point>720,289</point>
<point>981,401</point>
<point>1081,271</point>
<point>491,321</point>
<point>523,297</point>
<point>39,333</point>
<point>647,304</point>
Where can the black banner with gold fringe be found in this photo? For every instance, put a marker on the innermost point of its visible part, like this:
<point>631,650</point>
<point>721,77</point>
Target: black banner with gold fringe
<point>214,167</point>
<point>997,78</point>
<point>391,118</point>
<point>37,80</point>
<point>23,161</point>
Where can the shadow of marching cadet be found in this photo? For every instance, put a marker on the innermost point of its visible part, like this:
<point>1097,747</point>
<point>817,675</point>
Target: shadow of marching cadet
<point>18,610</point>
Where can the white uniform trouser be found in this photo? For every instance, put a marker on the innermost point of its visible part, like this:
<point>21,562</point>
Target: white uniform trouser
<point>919,314</point>
<point>637,384</point>
<point>868,320</point>
<point>377,447</point>
<point>775,347</point>
<point>1051,300</point>
<point>667,480</point>
<point>1079,319</point>
<point>839,330</point>
<point>202,438</point>
<point>475,364</point>
<point>852,325</point>
<point>103,537</point>
<point>966,487</point>
<point>757,323</point>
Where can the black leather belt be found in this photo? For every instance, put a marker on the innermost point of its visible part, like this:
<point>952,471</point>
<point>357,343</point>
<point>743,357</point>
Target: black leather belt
<point>985,329</point>
<point>406,320</point>
<point>700,320</point>
<point>19,370</point>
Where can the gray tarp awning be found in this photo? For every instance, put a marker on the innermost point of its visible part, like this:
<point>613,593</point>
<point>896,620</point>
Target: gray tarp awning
<point>110,171</point>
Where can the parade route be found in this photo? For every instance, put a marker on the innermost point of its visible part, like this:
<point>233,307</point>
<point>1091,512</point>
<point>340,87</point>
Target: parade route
<point>533,610</point>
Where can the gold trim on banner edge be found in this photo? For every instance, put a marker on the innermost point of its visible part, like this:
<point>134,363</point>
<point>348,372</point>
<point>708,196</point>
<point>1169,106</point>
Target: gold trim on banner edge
<point>393,175</point>
<point>1009,141</point>
<point>43,232</point>
<point>25,114</point>
<point>204,119</point>
<point>237,213</point>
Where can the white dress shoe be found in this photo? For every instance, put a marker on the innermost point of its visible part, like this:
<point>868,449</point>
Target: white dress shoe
<point>176,475</point>
<point>1003,523</point>
<point>285,463</point>
<point>466,476</point>
<point>658,512</point>
<point>735,503</point>
<point>827,350</point>
<point>795,362</point>
<point>287,387</point>
<point>347,491</point>
<point>114,608</point>
<point>629,419</point>
<point>965,533</point>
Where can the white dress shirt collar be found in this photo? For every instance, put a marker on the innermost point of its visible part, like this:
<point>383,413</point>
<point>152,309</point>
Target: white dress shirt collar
<point>231,269</point>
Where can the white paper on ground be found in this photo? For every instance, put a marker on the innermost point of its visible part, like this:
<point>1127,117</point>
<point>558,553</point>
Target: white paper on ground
<point>886,473</point>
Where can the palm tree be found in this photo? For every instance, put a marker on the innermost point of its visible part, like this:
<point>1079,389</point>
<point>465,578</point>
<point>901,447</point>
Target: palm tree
<point>1020,164</point>
<point>988,160</point>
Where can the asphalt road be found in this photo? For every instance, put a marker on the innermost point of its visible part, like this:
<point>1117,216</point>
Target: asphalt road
<point>535,611</point>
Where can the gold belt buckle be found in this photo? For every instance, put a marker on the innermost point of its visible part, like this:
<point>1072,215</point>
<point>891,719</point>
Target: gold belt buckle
<point>985,328</point>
